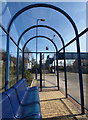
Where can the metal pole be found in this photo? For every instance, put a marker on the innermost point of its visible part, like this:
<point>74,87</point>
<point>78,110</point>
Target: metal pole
<point>54,65</point>
<point>65,74</point>
<point>23,65</point>
<point>80,75</point>
<point>37,42</point>
<point>40,71</point>
<point>54,59</point>
<point>17,64</point>
<point>44,69</point>
<point>7,64</point>
<point>36,47</point>
<point>57,72</point>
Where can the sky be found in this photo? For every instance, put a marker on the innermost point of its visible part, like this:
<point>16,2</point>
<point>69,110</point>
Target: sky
<point>77,11</point>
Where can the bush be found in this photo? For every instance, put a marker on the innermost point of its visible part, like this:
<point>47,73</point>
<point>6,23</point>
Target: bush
<point>28,76</point>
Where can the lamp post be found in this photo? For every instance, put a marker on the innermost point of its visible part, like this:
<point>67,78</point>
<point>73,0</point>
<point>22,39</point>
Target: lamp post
<point>54,54</point>
<point>53,37</point>
<point>37,42</point>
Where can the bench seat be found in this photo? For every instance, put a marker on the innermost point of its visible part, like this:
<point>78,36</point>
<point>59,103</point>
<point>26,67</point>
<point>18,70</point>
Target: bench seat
<point>6,111</point>
<point>24,101</point>
<point>28,111</point>
<point>25,94</point>
<point>31,97</point>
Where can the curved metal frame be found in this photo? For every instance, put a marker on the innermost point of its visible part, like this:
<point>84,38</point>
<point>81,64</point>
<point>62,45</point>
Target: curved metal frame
<point>40,36</point>
<point>23,54</point>
<point>29,41</point>
<point>77,42</point>
<point>45,26</point>
<point>59,35</point>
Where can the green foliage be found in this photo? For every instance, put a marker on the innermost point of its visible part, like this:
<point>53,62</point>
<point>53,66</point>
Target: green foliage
<point>33,70</point>
<point>28,76</point>
<point>3,73</point>
<point>20,66</point>
<point>49,68</point>
<point>61,68</point>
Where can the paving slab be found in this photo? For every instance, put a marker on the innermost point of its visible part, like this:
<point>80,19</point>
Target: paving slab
<point>55,106</point>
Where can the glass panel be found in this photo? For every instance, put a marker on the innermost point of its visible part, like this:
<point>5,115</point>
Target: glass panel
<point>84,66</point>
<point>13,69</point>
<point>58,22</point>
<point>49,70</point>
<point>52,18</point>
<point>72,72</point>
<point>29,66</point>
<point>12,64</point>
<point>73,78</point>
<point>2,59</point>
<point>61,74</point>
<point>84,63</point>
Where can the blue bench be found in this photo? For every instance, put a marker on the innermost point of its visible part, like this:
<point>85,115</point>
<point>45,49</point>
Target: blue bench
<point>21,102</point>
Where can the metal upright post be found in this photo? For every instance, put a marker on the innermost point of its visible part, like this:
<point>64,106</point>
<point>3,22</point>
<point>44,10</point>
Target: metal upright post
<point>57,72</point>
<point>80,75</point>
<point>54,60</point>
<point>23,65</point>
<point>65,75</point>
<point>17,64</point>
<point>37,42</point>
<point>7,64</point>
<point>44,69</point>
<point>36,47</point>
<point>54,66</point>
<point>40,71</point>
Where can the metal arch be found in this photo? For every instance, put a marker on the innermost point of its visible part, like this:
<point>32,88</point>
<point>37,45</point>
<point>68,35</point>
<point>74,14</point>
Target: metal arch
<point>56,55</point>
<point>42,5</point>
<point>9,26</point>
<point>45,26</point>
<point>29,41</point>
<point>23,55</point>
<point>39,37</point>
<point>77,41</point>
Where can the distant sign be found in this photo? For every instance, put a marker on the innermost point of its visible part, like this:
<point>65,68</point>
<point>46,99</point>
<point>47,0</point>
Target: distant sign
<point>47,48</point>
